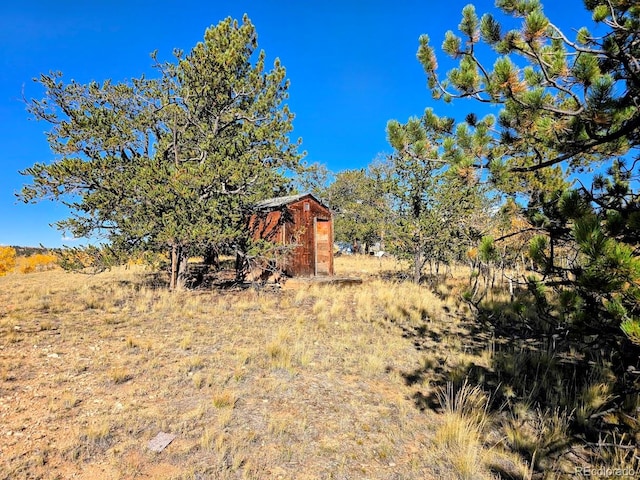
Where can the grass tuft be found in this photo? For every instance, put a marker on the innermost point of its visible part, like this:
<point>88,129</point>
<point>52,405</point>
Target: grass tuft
<point>224,399</point>
<point>119,375</point>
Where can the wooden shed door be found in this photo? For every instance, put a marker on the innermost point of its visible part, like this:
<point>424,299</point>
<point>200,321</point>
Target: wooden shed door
<point>323,247</point>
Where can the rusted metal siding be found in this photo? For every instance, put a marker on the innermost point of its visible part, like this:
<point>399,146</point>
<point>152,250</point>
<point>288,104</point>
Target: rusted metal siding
<point>296,224</point>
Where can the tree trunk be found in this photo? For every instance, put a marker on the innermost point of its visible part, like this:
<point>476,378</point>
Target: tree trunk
<point>549,269</point>
<point>417,266</point>
<point>211,258</point>
<point>178,267</point>
<point>241,266</point>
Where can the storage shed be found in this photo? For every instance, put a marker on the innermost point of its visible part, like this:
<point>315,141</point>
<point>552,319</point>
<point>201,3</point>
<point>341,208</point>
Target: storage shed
<point>305,224</point>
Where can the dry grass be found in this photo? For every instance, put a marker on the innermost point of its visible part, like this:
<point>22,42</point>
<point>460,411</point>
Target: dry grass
<point>295,384</point>
<point>460,435</point>
<point>322,382</point>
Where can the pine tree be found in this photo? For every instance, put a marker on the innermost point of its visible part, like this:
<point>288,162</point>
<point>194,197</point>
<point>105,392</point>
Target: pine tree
<point>569,104</point>
<point>360,206</point>
<point>173,163</point>
<point>441,209</point>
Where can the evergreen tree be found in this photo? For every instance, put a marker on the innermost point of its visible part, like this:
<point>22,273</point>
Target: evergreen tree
<point>360,206</point>
<point>173,163</point>
<point>441,207</point>
<point>569,105</point>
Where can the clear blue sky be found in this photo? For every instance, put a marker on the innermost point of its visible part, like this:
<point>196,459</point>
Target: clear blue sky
<point>351,64</point>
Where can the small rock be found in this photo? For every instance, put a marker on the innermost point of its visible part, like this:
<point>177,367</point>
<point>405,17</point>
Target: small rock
<point>160,441</point>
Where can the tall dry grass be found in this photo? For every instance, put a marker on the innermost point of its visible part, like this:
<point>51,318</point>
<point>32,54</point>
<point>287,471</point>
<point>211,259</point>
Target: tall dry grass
<point>319,382</point>
<point>249,381</point>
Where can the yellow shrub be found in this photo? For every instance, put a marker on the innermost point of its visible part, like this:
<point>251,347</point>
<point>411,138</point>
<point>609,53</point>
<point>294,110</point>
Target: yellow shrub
<point>135,261</point>
<point>7,260</point>
<point>38,263</point>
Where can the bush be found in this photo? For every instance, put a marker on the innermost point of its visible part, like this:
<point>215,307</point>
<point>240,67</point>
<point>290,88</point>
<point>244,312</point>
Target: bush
<point>7,260</point>
<point>38,263</point>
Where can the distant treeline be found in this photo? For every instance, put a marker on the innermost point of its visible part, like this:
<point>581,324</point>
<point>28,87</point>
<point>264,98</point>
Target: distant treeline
<point>28,251</point>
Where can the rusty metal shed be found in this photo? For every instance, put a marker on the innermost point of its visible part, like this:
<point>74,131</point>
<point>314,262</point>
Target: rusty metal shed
<point>302,222</point>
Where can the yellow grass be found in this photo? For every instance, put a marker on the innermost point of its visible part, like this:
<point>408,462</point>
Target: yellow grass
<point>322,382</point>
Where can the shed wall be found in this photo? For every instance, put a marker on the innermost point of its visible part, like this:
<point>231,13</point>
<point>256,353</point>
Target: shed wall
<point>297,224</point>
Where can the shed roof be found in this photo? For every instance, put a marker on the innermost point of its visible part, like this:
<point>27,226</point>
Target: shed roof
<point>273,203</point>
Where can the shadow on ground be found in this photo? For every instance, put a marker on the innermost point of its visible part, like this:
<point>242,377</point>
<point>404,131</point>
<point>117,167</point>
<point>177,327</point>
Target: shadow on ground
<point>561,393</point>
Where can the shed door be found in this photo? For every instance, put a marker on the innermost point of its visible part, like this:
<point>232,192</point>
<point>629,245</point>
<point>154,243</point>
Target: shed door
<point>323,247</point>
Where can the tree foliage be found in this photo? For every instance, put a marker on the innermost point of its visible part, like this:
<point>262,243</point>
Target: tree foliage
<point>574,96</point>
<point>441,207</point>
<point>38,262</point>
<point>172,163</point>
<point>569,105</point>
<point>7,260</point>
<point>360,206</point>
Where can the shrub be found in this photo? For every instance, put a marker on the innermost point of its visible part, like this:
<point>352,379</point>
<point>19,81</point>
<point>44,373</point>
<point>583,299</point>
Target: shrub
<point>38,263</point>
<point>7,260</point>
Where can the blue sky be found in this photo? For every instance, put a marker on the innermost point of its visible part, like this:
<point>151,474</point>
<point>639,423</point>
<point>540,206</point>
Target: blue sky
<point>351,64</point>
